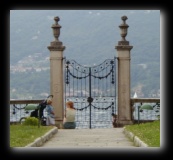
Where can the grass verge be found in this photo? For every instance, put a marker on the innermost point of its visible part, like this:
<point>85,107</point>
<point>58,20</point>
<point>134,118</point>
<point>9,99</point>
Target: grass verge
<point>21,135</point>
<point>148,132</point>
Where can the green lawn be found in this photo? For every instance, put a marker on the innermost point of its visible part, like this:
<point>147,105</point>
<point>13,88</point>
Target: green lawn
<point>21,135</point>
<point>148,132</point>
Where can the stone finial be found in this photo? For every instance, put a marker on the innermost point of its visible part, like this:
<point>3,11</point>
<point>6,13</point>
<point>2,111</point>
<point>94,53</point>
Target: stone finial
<point>123,28</point>
<point>124,18</point>
<point>56,28</point>
<point>56,44</point>
<point>123,33</point>
<point>123,44</point>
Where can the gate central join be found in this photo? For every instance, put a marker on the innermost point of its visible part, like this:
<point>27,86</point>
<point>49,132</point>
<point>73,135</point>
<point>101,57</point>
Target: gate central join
<point>93,91</point>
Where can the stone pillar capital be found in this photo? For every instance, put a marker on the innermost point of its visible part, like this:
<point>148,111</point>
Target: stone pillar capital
<point>56,45</point>
<point>123,47</point>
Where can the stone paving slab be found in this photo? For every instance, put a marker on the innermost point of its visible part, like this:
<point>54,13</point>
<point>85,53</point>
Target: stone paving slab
<point>89,138</point>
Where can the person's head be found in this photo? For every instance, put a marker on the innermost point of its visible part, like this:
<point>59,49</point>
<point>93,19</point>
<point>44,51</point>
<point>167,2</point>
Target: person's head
<point>70,104</point>
<point>49,101</point>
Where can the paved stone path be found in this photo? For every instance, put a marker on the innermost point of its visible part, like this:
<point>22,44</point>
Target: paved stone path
<point>89,138</point>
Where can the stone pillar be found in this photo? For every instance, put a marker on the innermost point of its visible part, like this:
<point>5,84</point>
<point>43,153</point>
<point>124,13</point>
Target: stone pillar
<point>123,57</point>
<point>56,49</point>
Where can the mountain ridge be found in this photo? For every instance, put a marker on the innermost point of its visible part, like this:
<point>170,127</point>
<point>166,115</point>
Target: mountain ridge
<point>90,37</point>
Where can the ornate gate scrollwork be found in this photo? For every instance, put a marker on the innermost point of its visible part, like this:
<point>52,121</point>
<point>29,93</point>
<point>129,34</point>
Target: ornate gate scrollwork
<point>93,90</point>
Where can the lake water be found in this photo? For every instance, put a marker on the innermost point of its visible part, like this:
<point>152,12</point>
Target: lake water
<point>99,118</point>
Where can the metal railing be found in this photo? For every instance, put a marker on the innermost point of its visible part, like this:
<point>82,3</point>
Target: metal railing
<point>139,115</point>
<point>17,109</point>
<point>145,109</point>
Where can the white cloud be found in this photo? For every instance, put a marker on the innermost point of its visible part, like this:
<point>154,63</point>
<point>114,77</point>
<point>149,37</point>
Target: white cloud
<point>131,12</point>
<point>50,17</point>
<point>144,66</point>
<point>18,31</point>
<point>35,37</point>
<point>147,11</point>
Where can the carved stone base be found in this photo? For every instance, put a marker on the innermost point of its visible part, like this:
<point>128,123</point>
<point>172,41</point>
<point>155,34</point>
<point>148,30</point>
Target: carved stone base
<point>123,123</point>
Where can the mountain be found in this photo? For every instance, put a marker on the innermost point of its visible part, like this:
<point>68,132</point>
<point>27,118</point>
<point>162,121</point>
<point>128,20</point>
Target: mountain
<point>90,37</point>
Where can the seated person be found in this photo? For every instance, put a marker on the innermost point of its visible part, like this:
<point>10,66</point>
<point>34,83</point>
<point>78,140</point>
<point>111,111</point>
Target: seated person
<point>69,116</point>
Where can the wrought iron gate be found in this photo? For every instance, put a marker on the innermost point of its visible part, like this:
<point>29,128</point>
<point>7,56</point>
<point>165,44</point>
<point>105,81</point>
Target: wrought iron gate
<point>93,91</point>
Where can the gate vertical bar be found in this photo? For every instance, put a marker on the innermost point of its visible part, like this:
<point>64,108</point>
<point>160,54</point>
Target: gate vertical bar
<point>90,93</point>
<point>115,81</point>
<point>66,81</point>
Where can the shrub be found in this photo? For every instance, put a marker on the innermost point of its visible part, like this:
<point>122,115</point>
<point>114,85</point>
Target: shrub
<point>31,121</point>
